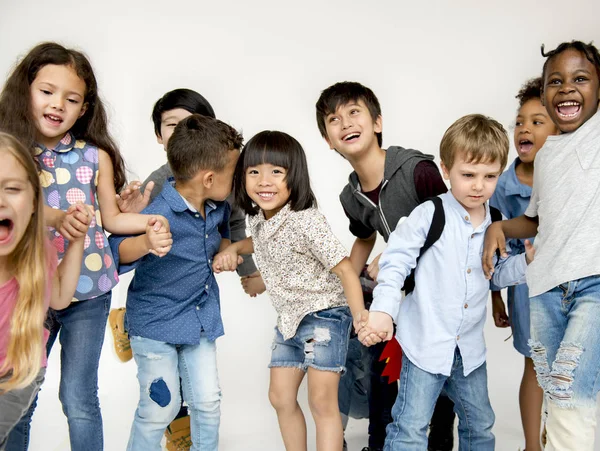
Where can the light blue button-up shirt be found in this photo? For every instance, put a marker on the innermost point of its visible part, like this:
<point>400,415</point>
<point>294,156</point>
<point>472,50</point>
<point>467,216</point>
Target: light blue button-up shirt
<point>448,305</point>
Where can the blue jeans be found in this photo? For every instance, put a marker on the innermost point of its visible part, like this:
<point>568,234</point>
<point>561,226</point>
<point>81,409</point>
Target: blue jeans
<point>81,327</point>
<point>160,367</point>
<point>565,348</point>
<point>417,396</point>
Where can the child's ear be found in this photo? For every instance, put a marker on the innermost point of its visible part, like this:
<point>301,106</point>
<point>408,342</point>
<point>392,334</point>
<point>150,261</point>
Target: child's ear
<point>208,179</point>
<point>445,171</point>
<point>328,141</point>
<point>378,124</point>
<point>159,139</point>
<point>83,110</point>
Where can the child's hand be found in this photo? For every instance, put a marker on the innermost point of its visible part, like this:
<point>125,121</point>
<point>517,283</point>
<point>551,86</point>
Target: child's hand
<point>163,221</point>
<point>131,200</point>
<point>499,310</point>
<point>253,284</point>
<point>494,239</point>
<point>380,327</point>
<point>529,252</point>
<point>360,320</point>
<point>158,238</point>
<point>373,268</point>
<point>76,221</point>
<point>227,260</point>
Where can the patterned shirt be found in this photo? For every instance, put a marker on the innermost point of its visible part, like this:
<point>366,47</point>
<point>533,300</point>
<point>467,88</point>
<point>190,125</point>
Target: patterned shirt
<point>69,174</point>
<point>174,298</point>
<point>295,252</point>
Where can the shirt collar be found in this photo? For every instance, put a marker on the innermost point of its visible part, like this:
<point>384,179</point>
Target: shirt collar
<point>270,226</point>
<point>466,217</point>
<point>178,203</point>
<point>64,145</point>
<point>513,185</point>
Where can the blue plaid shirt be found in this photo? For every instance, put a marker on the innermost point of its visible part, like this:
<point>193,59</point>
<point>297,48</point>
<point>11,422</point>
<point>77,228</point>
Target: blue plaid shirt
<point>175,298</point>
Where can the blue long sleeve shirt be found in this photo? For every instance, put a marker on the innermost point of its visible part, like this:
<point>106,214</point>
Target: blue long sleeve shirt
<point>448,305</point>
<point>174,298</point>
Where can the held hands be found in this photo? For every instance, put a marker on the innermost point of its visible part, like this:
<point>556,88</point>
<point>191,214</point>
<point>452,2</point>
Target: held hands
<point>158,238</point>
<point>75,221</point>
<point>226,260</point>
<point>374,327</point>
<point>253,284</point>
<point>131,199</point>
<point>494,239</point>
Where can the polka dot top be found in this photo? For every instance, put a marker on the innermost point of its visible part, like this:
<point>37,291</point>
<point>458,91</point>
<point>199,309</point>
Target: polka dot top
<point>69,174</point>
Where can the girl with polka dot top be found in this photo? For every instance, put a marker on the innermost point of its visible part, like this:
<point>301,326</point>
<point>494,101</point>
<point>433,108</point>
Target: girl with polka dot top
<point>51,103</point>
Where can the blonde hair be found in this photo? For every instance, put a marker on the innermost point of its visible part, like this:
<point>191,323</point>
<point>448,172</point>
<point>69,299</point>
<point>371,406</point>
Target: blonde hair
<point>480,139</point>
<point>28,265</point>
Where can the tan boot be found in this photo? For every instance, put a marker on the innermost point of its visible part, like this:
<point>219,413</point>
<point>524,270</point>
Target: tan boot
<point>178,434</point>
<point>116,319</point>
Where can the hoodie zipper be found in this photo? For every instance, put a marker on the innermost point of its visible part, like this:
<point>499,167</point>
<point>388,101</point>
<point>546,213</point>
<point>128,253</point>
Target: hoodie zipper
<point>378,206</point>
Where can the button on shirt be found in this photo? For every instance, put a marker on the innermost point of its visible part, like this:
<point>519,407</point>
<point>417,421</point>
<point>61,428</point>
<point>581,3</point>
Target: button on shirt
<point>295,252</point>
<point>173,298</point>
<point>448,305</point>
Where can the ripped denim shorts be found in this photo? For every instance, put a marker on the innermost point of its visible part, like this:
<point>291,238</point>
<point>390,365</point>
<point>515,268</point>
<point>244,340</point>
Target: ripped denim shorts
<point>321,342</point>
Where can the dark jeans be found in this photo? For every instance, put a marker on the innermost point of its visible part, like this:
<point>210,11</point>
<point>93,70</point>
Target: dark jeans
<point>81,327</point>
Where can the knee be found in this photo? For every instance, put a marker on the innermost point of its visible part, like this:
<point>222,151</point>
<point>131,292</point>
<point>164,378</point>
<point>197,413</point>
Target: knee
<point>159,402</point>
<point>207,404</point>
<point>282,401</point>
<point>323,404</point>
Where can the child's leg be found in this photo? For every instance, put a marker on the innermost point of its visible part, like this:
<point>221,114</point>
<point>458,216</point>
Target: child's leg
<point>14,404</point>
<point>569,376</point>
<point>283,394</point>
<point>531,398</point>
<point>158,376</point>
<point>82,327</point>
<point>412,411</point>
<point>323,401</point>
<point>472,405</point>
<point>381,397</point>
<point>201,391</point>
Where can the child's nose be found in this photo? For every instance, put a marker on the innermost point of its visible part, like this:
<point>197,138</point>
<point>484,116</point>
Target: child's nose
<point>58,103</point>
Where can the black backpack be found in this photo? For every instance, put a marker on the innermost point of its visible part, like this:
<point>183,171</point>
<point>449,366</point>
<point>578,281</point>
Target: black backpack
<point>435,232</point>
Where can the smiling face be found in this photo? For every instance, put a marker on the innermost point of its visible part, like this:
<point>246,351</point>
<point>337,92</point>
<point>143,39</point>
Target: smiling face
<point>267,187</point>
<point>532,127</point>
<point>472,184</point>
<point>351,129</point>
<point>168,121</point>
<point>16,203</point>
<point>57,101</point>
<point>571,90</point>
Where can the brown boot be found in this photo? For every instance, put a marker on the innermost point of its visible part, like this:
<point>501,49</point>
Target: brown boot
<point>178,434</point>
<point>116,319</point>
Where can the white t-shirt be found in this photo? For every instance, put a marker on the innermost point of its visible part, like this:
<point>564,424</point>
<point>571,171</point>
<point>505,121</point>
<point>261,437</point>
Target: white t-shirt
<point>566,198</point>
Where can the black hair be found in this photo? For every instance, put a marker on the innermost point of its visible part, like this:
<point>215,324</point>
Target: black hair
<point>589,50</point>
<point>279,149</point>
<point>532,89</point>
<point>180,98</point>
<point>201,142</point>
<point>343,93</point>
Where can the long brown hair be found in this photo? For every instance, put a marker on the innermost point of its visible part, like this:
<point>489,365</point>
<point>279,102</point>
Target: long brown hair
<point>15,103</point>
<point>28,264</point>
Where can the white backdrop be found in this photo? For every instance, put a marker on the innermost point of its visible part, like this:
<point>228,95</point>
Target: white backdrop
<point>262,65</point>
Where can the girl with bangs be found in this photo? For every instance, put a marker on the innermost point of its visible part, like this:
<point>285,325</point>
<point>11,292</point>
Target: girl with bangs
<point>309,279</point>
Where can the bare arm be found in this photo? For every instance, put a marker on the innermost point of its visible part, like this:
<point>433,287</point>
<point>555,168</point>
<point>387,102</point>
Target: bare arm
<point>112,219</point>
<point>361,249</point>
<point>353,291</point>
<point>157,241</point>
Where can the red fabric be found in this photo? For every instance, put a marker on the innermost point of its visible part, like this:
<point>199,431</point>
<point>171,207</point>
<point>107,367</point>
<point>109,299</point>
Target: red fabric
<point>392,354</point>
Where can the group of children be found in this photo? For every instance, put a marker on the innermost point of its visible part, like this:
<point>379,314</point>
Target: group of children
<point>60,173</point>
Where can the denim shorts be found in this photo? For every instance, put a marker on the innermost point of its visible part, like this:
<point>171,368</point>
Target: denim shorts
<point>321,342</point>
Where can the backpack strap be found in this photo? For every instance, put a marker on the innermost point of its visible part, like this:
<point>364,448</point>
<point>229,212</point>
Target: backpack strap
<point>435,232</point>
<point>495,214</point>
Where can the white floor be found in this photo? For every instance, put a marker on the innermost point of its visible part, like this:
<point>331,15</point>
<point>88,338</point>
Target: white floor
<point>248,421</point>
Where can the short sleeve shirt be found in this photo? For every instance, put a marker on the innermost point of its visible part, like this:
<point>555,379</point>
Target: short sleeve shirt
<point>295,252</point>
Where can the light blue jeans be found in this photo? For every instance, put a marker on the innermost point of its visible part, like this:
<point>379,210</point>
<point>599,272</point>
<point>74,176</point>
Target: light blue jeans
<point>565,348</point>
<point>417,396</point>
<point>160,365</point>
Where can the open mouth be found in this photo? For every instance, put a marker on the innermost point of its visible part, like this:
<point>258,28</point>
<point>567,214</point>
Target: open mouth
<point>6,227</point>
<point>266,196</point>
<point>54,120</point>
<point>568,110</point>
<point>525,146</point>
<point>351,137</point>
